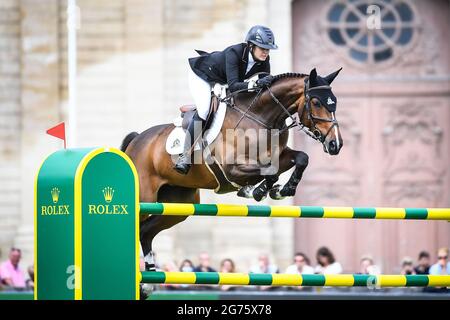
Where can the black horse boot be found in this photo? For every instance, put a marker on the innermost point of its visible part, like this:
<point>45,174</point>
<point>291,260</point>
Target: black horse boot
<point>184,160</point>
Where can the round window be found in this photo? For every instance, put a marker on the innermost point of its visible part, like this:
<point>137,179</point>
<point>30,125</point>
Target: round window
<point>371,30</point>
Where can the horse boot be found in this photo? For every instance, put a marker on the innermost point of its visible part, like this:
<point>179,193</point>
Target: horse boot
<point>184,160</point>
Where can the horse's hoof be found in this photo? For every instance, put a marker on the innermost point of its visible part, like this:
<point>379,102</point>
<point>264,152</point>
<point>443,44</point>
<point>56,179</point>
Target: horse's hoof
<point>245,192</point>
<point>287,192</point>
<point>145,290</point>
<point>274,193</point>
<point>150,267</point>
<point>259,194</point>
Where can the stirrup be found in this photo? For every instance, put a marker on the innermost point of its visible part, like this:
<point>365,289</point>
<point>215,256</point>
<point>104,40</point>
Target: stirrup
<point>182,165</point>
<point>150,266</point>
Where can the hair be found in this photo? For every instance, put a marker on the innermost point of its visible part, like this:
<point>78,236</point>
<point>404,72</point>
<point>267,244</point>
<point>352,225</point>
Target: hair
<point>186,261</point>
<point>288,75</point>
<point>444,249</point>
<point>301,254</point>
<point>407,261</point>
<point>13,249</point>
<point>222,263</point>
<point>424,254</point>
<point>367,257</point>
<point>325,252</point>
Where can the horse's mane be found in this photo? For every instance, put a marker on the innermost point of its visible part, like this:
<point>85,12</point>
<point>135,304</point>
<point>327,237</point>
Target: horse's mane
<point>288,75</point>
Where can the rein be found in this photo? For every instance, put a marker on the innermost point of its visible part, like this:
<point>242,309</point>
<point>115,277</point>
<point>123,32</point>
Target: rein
<point>315,133</point>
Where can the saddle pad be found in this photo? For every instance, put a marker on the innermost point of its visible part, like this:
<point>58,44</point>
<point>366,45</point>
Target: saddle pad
<point>175,140</point>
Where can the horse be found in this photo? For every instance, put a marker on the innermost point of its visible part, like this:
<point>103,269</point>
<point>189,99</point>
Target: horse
<point>267,109</point>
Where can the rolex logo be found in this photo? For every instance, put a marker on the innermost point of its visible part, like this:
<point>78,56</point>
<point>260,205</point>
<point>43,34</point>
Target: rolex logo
<point>53,210</point>
<point>55,194</point>
<point>108,193</point>
<point>106,209</point>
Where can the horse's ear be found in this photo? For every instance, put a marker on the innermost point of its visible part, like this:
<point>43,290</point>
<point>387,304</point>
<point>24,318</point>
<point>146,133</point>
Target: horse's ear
<point>329,78</point>
<point>313,77</point>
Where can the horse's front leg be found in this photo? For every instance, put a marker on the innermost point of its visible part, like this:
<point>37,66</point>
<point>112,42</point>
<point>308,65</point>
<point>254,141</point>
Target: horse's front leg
<point>289,158</point>
<point>249,176</point>
<point>260,192</point>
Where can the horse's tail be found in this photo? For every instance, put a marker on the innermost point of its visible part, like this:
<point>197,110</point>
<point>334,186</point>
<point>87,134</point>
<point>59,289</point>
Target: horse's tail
<point>126,141</point>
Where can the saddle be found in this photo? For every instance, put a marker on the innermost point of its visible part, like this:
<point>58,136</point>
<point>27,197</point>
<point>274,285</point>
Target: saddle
<point>188,111</point>
<point>213,122</point>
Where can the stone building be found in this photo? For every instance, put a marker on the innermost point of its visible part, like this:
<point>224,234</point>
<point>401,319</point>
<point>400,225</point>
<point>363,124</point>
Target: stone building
<point>394,112</point>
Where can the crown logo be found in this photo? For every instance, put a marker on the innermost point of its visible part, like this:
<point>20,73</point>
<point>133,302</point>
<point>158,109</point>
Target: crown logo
<point>108,193</point>
<point>55,194</point>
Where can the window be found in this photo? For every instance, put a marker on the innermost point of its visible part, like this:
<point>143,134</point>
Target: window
<point>346,25</point>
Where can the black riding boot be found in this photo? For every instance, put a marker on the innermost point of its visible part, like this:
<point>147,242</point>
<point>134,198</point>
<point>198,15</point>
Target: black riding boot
<point>184,160</point>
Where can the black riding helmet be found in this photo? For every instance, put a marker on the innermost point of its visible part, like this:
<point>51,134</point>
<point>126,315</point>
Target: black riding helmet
<point>262,37</point>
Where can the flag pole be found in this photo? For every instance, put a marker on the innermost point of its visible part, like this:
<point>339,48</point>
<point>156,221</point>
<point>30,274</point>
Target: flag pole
<point>72,24</point>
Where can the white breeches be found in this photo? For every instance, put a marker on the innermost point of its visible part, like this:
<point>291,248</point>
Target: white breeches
<point>201,92</point>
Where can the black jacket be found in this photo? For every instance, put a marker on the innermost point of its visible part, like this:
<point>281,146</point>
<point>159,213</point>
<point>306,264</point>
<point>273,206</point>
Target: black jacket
<point>227,66</point>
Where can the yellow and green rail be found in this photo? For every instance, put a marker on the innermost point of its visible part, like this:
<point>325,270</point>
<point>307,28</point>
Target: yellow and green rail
<point>306,280</point>
<point>235,210</point>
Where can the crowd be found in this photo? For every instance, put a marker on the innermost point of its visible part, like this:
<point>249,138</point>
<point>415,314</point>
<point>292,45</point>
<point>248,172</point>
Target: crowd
<point>325,263</point>
<point>13,277</point>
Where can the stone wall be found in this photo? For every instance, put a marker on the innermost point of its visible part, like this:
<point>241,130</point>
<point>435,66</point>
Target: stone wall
<point>132,74</point>
<point>10,120</point>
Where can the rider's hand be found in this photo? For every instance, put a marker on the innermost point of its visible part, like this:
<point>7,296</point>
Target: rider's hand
<point>252,84</point>
<point>264,82</point>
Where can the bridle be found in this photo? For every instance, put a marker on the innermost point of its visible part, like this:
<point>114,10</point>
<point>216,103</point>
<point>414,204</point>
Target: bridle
<point>315,133</point>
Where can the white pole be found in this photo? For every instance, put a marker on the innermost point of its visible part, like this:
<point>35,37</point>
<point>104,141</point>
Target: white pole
<point>72,25</point>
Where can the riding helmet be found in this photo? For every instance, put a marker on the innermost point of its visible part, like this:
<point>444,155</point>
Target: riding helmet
<point>262,37</point>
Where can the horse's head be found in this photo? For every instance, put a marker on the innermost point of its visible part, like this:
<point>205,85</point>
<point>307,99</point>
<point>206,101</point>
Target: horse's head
<point>318,111</point>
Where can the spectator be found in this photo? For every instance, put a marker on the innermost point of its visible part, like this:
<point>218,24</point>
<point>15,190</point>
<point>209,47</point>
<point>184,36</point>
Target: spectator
<point>227,266</point>
<point>423,266</point>
<point>442,266</point>
<point>326,262</point>
<point>170,267</point>
<point>367,266</point>
<point>10,272</point>
<point>407,266</point>
<point>264,265</point>
<point>301,265</point>
<point>204,265</point>
<point>187,266</point>
<point>30,280</point>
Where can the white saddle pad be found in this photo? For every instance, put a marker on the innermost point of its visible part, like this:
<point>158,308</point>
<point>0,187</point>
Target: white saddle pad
<point>175,140</point>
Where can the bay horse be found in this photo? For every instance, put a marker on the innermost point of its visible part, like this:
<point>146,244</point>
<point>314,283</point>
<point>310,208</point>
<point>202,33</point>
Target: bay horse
<point>308,96</point>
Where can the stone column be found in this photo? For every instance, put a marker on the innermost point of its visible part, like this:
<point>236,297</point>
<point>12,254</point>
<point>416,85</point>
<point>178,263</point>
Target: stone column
<point>40,105</point>
<point>9,122</point>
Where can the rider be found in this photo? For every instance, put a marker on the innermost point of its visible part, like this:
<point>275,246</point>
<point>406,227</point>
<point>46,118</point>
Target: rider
<point>230,66</point>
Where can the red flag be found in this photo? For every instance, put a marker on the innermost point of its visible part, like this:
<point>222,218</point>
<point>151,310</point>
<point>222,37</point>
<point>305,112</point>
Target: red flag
<point>58,131</point>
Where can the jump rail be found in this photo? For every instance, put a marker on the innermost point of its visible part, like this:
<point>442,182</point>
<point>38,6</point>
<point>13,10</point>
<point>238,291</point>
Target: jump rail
<point>315,280</point>
<point>232,210</point>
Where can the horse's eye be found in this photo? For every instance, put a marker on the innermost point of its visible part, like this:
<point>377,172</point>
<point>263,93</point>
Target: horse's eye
<point>316,104</point>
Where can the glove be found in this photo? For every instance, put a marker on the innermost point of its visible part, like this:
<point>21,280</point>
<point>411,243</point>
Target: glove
<point>252,84</point>
<point>264,82</point>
